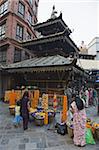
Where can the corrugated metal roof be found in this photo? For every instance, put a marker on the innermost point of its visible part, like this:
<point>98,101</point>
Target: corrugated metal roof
<point>88,64</point>
<point>41,62</point>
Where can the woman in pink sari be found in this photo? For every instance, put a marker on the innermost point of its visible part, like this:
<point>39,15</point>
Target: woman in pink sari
<point>79,121</point>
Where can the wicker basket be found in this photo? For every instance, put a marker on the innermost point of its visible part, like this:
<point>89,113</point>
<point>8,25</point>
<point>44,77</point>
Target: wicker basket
<point>70,132</point>
<point>97,133</point>
<point>12,111</point>
<point>39,121</point>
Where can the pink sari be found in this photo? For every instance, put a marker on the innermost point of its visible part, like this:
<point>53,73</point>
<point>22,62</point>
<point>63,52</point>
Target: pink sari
<point>79,123</point>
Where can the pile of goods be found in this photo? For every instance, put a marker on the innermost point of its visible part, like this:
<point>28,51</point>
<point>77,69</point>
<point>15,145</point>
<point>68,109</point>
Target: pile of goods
<point>91,127</point>
<point>39,115</point>
<point>94,128</point>
<point>39,112</point>
<point>42,115</point>
<point>39,118</point>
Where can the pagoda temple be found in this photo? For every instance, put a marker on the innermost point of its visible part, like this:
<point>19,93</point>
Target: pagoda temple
<point>53,38</point>
<point>53,64</point>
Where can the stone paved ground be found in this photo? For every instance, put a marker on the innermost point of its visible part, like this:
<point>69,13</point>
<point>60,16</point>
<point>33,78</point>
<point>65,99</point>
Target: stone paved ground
<point>37,138</point>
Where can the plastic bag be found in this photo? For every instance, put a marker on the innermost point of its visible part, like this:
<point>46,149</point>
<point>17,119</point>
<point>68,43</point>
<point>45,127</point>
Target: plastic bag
<point>89,137</point>
<point>61,128</point>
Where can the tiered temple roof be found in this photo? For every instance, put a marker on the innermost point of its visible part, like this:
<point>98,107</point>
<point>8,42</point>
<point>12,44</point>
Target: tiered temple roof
<point>55,39</point>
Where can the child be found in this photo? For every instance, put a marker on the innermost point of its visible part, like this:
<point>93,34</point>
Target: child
<point>17,120</point>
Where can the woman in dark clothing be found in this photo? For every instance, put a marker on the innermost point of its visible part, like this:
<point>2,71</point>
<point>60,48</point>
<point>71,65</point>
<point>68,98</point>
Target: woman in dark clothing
<point>25,109</point>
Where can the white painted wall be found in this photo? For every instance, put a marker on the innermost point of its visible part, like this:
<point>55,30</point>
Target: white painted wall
<point>97,56</point>
<point>93,47</point>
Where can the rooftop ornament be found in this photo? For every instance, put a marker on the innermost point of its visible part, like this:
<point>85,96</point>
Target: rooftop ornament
<point>54,12</point>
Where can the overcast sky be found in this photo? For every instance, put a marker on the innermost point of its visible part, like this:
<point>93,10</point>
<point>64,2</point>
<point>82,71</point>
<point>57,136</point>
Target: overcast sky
<point>82,16</point>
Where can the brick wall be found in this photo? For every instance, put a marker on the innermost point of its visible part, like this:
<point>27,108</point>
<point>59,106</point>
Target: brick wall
<point>10,54</point>
<point>12,18</point>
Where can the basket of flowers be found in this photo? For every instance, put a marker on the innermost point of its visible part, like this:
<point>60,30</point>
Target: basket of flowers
<point>94,128</point>
<point>39,118</point>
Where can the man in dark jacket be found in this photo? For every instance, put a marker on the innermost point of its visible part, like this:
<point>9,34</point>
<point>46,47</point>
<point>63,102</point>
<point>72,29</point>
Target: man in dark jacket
<point>25,109</point>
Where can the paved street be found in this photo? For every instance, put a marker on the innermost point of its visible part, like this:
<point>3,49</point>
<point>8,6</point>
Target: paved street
<point>37,138</point>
